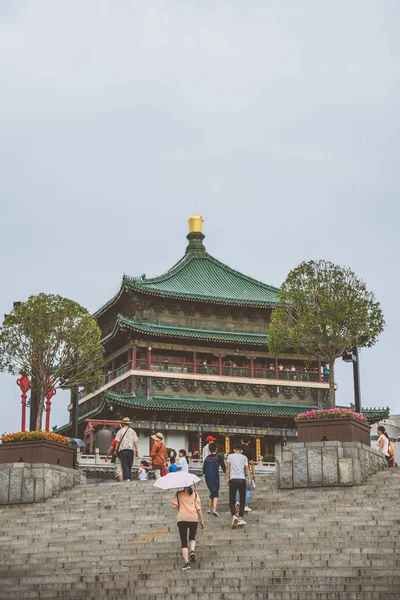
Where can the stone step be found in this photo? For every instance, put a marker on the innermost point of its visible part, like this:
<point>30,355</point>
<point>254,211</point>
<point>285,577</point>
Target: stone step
<point>323,544</point>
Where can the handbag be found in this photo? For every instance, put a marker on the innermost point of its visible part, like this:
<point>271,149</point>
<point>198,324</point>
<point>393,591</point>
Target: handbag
<point>118,453</point>
<point>164,471</point>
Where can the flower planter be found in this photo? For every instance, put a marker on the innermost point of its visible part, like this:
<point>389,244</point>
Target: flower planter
<point>38,451</point>
<point>343,429</point>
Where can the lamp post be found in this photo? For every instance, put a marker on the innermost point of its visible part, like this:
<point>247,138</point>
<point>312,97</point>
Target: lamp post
<point>352,355</point>
<point>25,385</point>
<point>49,394</point>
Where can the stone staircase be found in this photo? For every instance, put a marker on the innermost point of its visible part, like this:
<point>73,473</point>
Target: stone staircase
<point>121,541</point>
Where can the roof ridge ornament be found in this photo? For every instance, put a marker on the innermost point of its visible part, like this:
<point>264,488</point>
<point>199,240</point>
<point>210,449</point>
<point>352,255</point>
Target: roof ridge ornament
<point>196,236</point>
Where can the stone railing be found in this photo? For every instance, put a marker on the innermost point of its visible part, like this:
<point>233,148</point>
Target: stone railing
<point>327,464</point>
<point>24,483</point>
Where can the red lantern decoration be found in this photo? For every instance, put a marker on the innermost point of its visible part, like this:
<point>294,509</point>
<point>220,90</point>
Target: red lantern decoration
<point>25,385</point>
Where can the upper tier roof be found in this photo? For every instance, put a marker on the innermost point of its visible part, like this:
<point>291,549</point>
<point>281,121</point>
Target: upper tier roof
<point>206,279</point>
<point>198,276</point>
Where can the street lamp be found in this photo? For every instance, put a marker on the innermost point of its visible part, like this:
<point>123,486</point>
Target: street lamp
<point>50,393</point>
<point>352,355</point>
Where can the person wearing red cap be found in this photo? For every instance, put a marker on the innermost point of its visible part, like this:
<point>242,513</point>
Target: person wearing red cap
<point>206,450</point>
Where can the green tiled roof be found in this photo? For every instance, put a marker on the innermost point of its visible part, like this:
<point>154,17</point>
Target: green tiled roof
<point>91,413</point>
<point>375,414</point>
<point>205,279</point>
<point>205,405</point>
<point>153,330</point>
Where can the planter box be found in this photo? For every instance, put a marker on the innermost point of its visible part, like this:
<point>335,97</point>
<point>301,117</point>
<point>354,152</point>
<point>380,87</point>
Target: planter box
<point>38,451</point>
<point>345,429</point>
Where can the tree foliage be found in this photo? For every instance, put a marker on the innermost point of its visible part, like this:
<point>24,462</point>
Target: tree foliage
<point>55,342</point>
<point>323,310</point>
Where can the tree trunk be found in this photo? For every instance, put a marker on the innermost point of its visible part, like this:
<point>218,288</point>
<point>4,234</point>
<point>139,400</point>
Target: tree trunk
<point>33,408</point>
<point>332,383</point>
<point>41,391</point>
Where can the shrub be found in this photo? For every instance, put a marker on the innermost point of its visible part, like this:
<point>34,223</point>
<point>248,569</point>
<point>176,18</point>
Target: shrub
<point>269,458</point>
<point>330,413</point>
<point>30,436</point>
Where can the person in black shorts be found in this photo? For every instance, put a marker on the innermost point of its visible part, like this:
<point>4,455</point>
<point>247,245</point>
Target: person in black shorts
<point>211,467</point>
<point>189,514</point>
<point>249,453</point>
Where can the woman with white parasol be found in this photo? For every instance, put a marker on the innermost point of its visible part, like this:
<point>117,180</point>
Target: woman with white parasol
<point>188,504</point>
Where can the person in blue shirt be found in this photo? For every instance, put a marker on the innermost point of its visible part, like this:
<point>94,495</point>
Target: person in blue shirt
<point>172,467</point>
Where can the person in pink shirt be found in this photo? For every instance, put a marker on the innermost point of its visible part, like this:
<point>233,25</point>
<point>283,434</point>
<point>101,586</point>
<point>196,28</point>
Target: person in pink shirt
<point>189,514</point>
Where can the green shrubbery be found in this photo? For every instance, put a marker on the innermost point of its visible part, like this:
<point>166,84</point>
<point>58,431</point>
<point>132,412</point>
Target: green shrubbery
<point>269,458</point>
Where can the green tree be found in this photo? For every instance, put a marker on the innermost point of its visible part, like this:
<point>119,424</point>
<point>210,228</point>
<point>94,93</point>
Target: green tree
<point>55,342</point>
<point>323,310</point>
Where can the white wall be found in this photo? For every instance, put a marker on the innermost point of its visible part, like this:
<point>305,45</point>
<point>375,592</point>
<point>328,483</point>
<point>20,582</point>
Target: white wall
<point>176,440</point>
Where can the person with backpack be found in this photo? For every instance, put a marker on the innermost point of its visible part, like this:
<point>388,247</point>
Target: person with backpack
<point>383,443</point>
<point>189,514</point>
<point>158,454</point>
<point>211,471</point>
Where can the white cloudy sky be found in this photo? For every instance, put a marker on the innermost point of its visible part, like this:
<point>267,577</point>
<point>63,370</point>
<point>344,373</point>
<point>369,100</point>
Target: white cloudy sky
<point>278,121</point>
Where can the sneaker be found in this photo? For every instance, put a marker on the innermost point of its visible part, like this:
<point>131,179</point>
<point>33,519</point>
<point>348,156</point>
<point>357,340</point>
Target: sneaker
<point>241,522</point>
<point>186,567</point>
<point>209,512</point>
<point>215,513</point>
<point>192,557</point>
<point>248,509</point>
<point>234,522</point>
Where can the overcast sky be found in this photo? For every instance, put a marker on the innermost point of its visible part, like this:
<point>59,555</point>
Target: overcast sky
<point>277,121</point>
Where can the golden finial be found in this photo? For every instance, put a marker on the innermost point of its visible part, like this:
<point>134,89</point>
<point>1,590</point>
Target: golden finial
<point>195,224</point>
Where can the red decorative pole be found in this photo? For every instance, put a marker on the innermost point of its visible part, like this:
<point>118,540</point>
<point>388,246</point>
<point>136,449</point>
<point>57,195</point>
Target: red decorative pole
<point>25,385</point>
<point>50,393</point>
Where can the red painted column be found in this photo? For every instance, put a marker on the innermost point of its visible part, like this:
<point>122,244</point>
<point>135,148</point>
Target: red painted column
<point>319,371</point>
<point>194,362</point>
<point>251,366</point>
<point>113,368</point>
<point>219,364</point>
<point>149,358</point>
<point>134,357</point>
<point>276,369</point>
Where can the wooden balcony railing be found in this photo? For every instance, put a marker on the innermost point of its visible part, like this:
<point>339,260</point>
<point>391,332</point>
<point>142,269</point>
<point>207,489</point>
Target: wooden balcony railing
<point>223,370</point>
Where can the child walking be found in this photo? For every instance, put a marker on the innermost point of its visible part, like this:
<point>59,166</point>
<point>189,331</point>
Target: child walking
<point>142,473</point>
<point>172,466</point>
<point>182,462</point>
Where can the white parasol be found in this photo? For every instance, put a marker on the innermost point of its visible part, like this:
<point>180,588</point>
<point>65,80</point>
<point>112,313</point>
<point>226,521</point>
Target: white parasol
<point>176,480</point>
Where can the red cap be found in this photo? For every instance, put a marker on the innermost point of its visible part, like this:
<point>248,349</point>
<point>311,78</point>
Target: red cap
<point>210,438</point>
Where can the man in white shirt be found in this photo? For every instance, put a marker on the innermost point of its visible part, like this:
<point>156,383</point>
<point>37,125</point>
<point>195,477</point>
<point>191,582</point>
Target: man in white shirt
<point>237,466</point>
<point>206,449</point>
<point>127,444</point>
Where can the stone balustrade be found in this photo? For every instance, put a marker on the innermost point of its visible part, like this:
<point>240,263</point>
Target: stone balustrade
<point>24,483</point>
<point>327,464</point>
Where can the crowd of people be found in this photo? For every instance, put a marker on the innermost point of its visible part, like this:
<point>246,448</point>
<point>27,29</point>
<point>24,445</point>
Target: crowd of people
<point>239,470</point>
